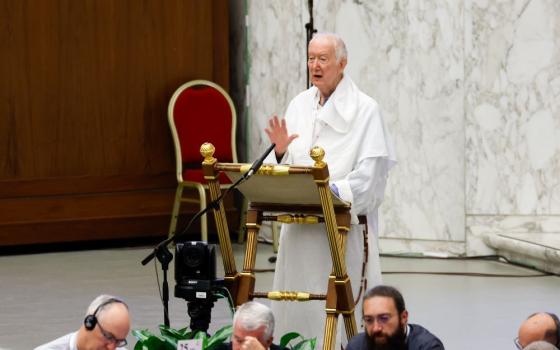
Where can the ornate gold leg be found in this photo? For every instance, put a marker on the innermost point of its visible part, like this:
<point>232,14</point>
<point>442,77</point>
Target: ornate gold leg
<point>247,282</point>
<point>350,325</point>
<point>329,338</point>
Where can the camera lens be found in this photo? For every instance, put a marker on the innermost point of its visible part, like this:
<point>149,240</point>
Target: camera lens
<point>193,256</point>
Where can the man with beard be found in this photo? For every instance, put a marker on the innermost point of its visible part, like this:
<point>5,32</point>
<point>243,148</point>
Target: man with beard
<point>387,328</point>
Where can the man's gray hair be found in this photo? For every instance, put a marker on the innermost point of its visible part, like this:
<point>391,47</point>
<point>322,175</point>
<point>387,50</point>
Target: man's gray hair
<point>101,303</point>
<point>339,45</point>
<point>253,315</point>
<point>540,345</point>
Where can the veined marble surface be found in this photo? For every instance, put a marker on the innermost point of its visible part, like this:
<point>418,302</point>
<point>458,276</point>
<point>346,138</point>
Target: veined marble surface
<point>470,91</point>
<point>277,63</point>
<point>512,107</point>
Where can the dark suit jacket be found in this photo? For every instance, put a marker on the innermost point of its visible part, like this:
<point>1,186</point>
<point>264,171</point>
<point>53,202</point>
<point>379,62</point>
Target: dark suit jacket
<point>227,346</point>
<point>419,338</point>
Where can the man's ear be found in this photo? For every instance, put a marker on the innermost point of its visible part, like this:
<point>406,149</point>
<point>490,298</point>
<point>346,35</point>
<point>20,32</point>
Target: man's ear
<point>342,63</point>
<point>404,317</point>
<point>269,342</point>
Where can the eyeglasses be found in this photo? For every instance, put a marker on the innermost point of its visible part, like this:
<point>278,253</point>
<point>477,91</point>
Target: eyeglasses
<point>517,345</point>
<point>381,319</point>
<point>111,338</point>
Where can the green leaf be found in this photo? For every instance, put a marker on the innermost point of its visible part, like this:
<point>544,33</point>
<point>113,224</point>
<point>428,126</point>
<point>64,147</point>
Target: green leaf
<point>202,335</point>
<point>138,346</point>
<point>142,334</point>
<point>171,332</point>
<point>307,344</point>
<point>185,331</point>
<point>170,343</point>
<point>219,337</point>
<point>151,343</point>
<point>288,337</point>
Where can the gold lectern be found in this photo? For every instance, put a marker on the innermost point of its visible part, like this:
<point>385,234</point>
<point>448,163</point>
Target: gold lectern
<point>306,198</point>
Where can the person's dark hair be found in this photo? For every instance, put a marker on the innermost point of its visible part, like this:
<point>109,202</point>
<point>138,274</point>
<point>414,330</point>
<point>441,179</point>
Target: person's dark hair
<point>388,292</point>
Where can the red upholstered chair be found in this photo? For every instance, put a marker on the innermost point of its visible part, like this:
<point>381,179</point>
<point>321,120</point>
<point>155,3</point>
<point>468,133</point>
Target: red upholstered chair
<point>199,111</point>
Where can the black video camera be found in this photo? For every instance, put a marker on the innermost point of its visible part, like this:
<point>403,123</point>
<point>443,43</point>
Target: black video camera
<point>195,270</point>
<point>195,278</point>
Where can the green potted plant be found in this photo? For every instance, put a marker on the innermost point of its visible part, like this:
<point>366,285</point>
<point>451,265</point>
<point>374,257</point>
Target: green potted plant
<point>170,337</point>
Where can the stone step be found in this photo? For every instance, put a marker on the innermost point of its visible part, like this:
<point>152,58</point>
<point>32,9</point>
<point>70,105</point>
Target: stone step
<point>538,250</point>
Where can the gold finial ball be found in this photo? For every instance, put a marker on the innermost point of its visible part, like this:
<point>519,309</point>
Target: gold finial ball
<point>207,150</point>
<point>317,154</point>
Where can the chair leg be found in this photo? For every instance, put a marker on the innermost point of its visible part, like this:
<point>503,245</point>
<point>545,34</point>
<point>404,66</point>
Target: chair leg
<point>175,212</point>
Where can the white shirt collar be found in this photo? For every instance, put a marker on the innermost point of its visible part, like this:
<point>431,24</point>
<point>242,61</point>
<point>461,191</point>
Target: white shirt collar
<point>74,341</point>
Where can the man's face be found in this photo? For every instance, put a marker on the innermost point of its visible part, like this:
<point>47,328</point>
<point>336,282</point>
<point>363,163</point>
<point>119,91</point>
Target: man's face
<point>385,328</point>
<point>110,329</point>
<point>324,71</point>
<point>240,337</point>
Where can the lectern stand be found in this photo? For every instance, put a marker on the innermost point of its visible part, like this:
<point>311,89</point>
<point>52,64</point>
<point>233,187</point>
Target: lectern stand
<point>303,195</point>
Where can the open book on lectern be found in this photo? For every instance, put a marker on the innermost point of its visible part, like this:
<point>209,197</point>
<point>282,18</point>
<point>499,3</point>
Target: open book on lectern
<point>282,189</point>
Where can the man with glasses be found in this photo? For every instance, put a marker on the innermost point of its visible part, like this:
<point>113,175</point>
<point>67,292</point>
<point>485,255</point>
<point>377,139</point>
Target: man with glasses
<point>105,326</point>
<point>386,322</point>
<point>539,326</point>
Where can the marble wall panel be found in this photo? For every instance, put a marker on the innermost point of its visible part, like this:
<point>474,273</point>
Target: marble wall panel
<point>277,68</point>
<point>512,65</point>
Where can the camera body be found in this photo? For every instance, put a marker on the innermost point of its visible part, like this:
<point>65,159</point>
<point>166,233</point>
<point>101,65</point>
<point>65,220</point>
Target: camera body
<point>195,271</point>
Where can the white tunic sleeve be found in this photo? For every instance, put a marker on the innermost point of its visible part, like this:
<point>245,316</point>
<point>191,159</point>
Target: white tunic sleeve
<point>364,186</point>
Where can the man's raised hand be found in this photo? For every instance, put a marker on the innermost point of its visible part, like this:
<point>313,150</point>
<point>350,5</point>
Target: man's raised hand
<point>278,134</point>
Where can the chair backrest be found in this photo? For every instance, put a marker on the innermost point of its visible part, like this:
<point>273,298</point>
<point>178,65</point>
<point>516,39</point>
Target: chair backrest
<point>201,111</point>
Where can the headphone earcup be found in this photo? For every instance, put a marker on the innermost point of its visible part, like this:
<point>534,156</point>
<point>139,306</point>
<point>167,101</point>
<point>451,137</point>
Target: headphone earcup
<point>90,322</point>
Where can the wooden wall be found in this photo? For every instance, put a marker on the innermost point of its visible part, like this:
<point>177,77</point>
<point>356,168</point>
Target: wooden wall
<point>85,150</point>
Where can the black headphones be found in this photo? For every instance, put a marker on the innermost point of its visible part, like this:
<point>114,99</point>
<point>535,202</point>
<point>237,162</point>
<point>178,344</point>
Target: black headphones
<point>557,323</point>
<point>91,320</point>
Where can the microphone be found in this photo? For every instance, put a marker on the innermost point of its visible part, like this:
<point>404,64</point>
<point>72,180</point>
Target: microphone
<point>257,164</point>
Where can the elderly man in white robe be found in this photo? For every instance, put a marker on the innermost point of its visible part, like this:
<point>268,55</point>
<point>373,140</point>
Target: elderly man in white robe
<point>335,115</point>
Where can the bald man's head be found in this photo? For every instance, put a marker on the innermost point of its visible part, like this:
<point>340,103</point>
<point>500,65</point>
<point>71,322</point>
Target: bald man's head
<point>540,326</point>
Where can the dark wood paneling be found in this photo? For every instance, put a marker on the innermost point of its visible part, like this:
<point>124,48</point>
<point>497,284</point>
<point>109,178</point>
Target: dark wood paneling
<point>83,102</point>
<point>77,230</point>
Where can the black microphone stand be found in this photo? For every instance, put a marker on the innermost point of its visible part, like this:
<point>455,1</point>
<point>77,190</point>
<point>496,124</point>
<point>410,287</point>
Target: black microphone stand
<point>164,256</point>
<point>309,30</point>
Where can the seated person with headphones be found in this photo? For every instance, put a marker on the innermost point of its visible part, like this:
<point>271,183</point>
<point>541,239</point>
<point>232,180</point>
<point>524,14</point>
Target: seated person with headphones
<point>539,326</point>
<point>106,326</point>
